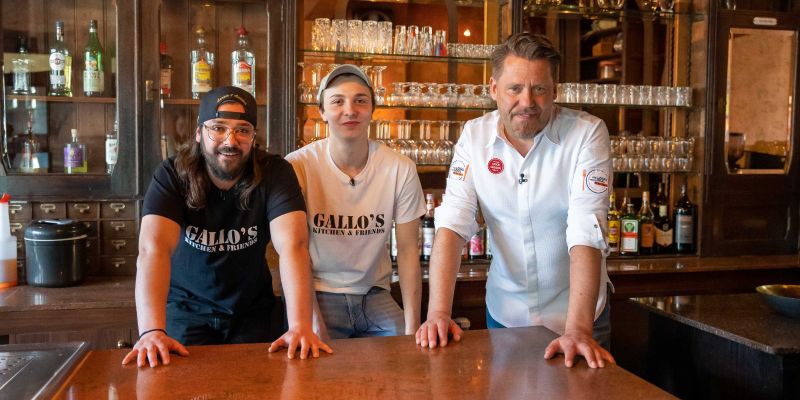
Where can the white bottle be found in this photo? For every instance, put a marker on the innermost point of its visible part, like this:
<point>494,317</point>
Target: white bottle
<point>112,148</point>
<point>8,247</point>
<point>243,64</point>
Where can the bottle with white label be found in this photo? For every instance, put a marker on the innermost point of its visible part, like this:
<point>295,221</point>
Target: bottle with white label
<point>393,242</point>
<point>243,64</point>
<point>428,229</point>
<point>8,247</point>
<point>94,68</point>
<point>60,65</point>
<point>112,148</point>
<point>629,222</point>
<point>75,161</point>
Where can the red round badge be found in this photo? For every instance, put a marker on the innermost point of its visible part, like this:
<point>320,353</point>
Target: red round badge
<point>495,165</point>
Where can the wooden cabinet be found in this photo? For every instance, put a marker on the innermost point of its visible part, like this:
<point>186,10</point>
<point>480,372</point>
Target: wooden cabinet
<point>102,328</point>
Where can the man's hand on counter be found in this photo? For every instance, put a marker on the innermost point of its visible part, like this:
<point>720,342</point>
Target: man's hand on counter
<point>436,330</point>
<point>302,339</point>
<point>153,346</point>
<point>572,344</point>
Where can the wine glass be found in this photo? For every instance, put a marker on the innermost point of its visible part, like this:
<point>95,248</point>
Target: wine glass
<point>735,151</point>
<point>303,89</point>
<point>380,90</point>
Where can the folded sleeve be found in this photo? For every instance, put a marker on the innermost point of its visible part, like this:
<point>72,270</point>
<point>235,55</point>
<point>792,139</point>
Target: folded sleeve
<point>459,203</point>
<point>591,184</point>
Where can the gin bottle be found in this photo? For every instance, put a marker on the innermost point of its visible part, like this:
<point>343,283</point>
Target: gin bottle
<point>21,68</point>
<point>166,71</point>
<point>202,66</point>
<point>112,148</point>
<point>93,71</point>
<point>75,161</point>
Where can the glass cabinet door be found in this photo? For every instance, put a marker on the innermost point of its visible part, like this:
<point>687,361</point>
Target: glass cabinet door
<point>64,130</point>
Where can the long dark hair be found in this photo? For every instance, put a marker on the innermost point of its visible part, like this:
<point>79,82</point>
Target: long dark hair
<point>193,173</point>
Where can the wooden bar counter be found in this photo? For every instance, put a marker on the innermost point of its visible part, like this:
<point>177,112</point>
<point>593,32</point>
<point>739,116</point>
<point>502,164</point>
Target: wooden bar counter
<point>495,364</point>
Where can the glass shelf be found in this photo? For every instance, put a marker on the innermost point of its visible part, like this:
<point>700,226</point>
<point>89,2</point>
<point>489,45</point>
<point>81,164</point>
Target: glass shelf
<point>631,106</point>
<point>425,168</point>
<point>390,57</point>
<point>478,109</point>
<point>191,102</point>
<point>597,13</point>
<point>62,99</point>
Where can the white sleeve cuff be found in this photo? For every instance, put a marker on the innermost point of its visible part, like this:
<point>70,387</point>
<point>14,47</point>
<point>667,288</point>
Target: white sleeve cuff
<point>585,230</point>
<point>459,221</point>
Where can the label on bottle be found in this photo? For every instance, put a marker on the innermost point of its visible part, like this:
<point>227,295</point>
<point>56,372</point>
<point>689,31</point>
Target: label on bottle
<point>73,157</point>
<point>393,243</point>
<point>664,237</point>
<point>662,210</point>
<point>613,235</point>
<point>57,62</point>
<point>22,80</point>
<point>684,229</point>
<point>112,150</point>
<point>488,243</point>
<point>427,240</point>
<point>630,236</point>
<point>242,75</point>
<point>166,82</point>
<point>92,76</point>
<point>201,77</point>
<point>647,235</point>
<point>476,244</point>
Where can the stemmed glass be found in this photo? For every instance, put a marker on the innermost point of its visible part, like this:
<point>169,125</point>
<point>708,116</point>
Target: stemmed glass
<point>430,97</point>
<point>380,90</point>
<point>443,148</point>
<point>397,98</point>
<point>316,69</point>
<point>319,125</point>
<point>303,89</point>
<point>485,99</point>
<point>425,144</point>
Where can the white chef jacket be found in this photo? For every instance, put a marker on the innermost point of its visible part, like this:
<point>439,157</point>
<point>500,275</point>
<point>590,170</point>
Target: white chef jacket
<point>537,207</point>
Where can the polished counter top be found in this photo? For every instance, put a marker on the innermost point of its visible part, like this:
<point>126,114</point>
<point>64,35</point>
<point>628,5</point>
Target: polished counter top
<point>496,364</point>
<point>96,292</point>
<point>742,318</point>
<point>644,265</point>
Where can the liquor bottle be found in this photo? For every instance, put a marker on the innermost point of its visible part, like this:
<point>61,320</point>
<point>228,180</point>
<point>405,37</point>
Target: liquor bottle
<point>112,148</point>
<point>646,232</point>
<point>94,70</point>
<point>684,223</point>
<point>661,198</point>
<point>613,224</point>
<point>393,242</point>
<point>488,244</point>
<point>428,230</point>
<point>477,250</point>
<point>629,243</point>
<point>29,155</point>
<point>202,66</point>
<point>166,70</point>
<point>75,161</point>
<point>21,69</point>
<point>663,226</point>
<point>243,64</point>
<point>60,65</point>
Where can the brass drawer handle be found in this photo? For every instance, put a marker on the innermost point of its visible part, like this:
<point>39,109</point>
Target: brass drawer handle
<point>47,208</point>
<point>119,244</point>
<point>14,208</point>
<point>118,226</point>
<point>15,227</point>
<point>82,208</point>
<point>117,207</point>
<point>118,262</point>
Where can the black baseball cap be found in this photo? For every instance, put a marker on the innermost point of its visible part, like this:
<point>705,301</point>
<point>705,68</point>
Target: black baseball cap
<point>228,94</point>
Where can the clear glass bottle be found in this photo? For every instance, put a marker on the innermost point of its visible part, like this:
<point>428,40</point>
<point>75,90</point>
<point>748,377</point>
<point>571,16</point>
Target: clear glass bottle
<point>646,229</point>
<point>94,70</point>
<point>60,65</point>
<point>613,224</point>
<point>21,69</point>
<point>201,66</point>
<point>112,148</point>
<point>243,63</point>
<point>75,161</point>
<point>29,161</point>
<point>428,229</point>
<point>166,71</point>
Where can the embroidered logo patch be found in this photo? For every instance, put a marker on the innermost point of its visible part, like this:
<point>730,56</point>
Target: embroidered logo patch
<point>495,165</point>
<point>597,181</point>
<point>458,170</point>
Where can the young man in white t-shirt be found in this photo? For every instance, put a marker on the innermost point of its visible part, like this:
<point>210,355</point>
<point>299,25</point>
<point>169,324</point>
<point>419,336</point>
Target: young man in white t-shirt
<point>354,188</point>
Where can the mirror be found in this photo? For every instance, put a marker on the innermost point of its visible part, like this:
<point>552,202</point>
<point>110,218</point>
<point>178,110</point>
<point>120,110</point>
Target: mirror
<point>758,116</point>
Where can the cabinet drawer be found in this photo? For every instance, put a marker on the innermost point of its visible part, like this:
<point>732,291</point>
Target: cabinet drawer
<point>19,211</point>
<point>118,210</point>
<point>92,228</point>
<point>120,247</point>
<point>92,247</point>
<point>119,229</point>
<point>93,265</point>
<point>49,210</point>
<point>82,211</point>
<point>122,265</point>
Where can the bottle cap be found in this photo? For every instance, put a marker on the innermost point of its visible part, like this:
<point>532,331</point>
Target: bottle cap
<point>73,132</point>
<point>162,48</point>
<point>241,31</point>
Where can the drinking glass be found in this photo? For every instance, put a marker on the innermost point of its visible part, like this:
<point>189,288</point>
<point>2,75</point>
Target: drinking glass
<point>355,34</point>
<point>303,90</point>
<point>316,77</point>
<point>426,41</point>
<point>320,32</point>
<point>412,40</point>
<point>380,90</point>
<point>370,37</point>
<point>339,35</point>
<point>400,39</point>
<point>439,41</point>
<point>385,37</point>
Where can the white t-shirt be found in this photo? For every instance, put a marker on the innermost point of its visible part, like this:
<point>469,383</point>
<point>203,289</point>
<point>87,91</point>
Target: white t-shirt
<point>350,221</point>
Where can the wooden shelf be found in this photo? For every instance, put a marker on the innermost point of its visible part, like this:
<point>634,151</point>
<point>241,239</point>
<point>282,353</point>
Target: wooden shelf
<point>602,57</point>
<point>427,169</point>
<point>595,34</point>
<point>191,102</point>
<point>63,99</point>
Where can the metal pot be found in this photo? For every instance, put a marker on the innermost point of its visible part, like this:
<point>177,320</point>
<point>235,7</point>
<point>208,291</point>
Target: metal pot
<point>55,252</point>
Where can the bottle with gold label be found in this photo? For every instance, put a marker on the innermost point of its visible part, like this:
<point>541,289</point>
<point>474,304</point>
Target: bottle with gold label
<point>613,225</point>
<point>646,228</point>
<point>202,66</point>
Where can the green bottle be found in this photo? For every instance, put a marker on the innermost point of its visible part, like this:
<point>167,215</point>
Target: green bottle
<point>629,222</point>
<point>93,71</point>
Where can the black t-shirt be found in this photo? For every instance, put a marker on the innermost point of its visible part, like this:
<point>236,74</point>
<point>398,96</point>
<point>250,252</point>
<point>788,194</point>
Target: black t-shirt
<point>219,264</point>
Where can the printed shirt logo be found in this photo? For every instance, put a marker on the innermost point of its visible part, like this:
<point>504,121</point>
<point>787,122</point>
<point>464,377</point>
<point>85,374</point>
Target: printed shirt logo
<point>596,181</point>
<point>221,240</point>
<point>495,165</point>
<point>458,170</point>
<point>348,225</point>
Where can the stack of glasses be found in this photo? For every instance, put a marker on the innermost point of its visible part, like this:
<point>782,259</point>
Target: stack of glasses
<point>356,36</point>
<point>641,95</point>
<point>637,153</point>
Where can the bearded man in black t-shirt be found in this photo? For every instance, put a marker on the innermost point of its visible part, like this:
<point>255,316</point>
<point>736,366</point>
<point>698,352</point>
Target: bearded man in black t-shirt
<point>202,276</point>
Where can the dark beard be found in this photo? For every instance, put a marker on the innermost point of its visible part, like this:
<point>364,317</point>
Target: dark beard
<point>217,170</point>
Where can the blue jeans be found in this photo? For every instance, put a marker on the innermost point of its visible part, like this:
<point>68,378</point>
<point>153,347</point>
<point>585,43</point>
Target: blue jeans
<point>352,315</point>
<point>260,324</point>
<point>601,332</point>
